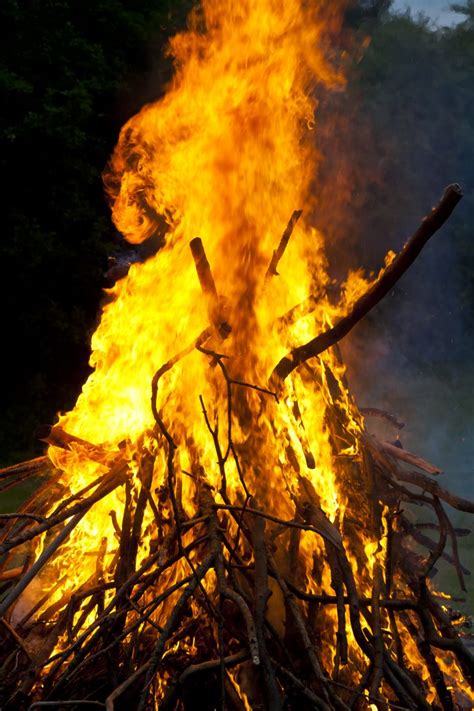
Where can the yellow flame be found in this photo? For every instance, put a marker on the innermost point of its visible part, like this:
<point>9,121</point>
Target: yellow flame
<point>227,154</point>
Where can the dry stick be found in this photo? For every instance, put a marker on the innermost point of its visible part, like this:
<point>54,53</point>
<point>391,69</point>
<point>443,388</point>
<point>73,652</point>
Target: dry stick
<point>298,684</point>
<point>454,644</point>
<point>427,484</point>
<point>172,445</point>
<point>377,632</point>
<point>44,557</point>
<point>232,660</point>
<point>408,457</point>
<point>131,628</point>
<point>460,569</point>
<point>324,703</point>
<point>392,670</point>
<point>155,658</point>
<point>11,482</point>
<point>389,568</point>
<point>208,286</point>
<point>389,705</point>
<point>224,589</point>
<point>72,702</point>
<point>279,252</point>
<point>428,526</point>
<point>202,338</point>
<point>337,558</point>
<point>431,545</point>
<point>11,573</point>
<point>117,476</point>
<point>377,291</point>
<point>299,311</point>
<point>237,587</point>
<point>261,595</point>
<point>397,604</point>
<point>33,466</point>
<point>15,636</point>
<point>337,585</point>
<point>394,674</point>
<point>34,504</point>
<point>228,661</point>
<point>302,436</point>
<point>111,698</point>
<point>33,517</point>
<point>218,358</point>
<point>436,674</point>
<point>82,659</point>
<point>377,412</point>
<point>79,494</point>
<point>321,530</point>
<point>62,656</point>
<point>221,460</point>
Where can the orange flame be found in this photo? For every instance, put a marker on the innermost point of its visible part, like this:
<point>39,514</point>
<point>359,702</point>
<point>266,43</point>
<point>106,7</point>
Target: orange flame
<point>227,154</point>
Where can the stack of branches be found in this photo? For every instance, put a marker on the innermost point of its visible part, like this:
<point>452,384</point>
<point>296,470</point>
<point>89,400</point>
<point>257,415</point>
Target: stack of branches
<point>256,636</point>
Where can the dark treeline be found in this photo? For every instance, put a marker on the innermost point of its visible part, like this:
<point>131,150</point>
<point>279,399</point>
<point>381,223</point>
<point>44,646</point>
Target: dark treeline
<point>72,72</point>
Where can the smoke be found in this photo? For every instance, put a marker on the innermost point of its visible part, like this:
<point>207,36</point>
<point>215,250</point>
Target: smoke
<point>391,143</point>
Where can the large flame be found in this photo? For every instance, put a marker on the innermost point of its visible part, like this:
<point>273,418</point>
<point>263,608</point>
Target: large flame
<point>227,155</point>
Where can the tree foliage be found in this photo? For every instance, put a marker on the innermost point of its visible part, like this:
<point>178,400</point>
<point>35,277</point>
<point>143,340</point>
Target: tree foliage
<point>402,131</point>
<point>70,73</point>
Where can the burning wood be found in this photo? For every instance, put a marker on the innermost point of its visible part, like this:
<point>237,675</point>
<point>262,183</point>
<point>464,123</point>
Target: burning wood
<point>160,631</point>
<point>203,527</point>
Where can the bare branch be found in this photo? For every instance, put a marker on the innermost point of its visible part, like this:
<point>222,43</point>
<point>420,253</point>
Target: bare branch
<point>377,291</point>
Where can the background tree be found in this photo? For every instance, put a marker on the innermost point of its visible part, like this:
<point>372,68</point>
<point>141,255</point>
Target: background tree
<point>71,72</point>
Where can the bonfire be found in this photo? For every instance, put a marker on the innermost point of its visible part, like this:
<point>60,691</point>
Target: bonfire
<point>215,527</point>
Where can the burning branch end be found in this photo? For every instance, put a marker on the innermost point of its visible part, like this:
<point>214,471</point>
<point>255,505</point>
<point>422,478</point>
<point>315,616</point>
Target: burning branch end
<point>430,224</point>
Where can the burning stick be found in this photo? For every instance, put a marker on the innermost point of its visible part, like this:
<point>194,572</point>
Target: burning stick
<point>431,224</point>
<point>127,629</point>
<point>208,286</point>
<point>279,252</point>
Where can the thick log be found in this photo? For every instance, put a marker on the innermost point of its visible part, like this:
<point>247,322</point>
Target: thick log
<point>377,291</point>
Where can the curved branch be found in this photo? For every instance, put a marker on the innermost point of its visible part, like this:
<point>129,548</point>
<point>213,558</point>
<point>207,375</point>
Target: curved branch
<point>430,225</point>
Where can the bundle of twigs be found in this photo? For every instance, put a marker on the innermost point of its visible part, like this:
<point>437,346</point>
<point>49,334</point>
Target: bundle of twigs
<point>223,645</point>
